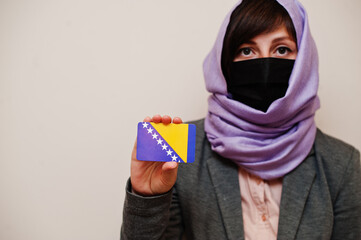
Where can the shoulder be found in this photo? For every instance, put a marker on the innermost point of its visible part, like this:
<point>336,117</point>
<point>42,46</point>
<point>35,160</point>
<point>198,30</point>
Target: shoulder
<point>337,152</point>
<point>203,148</point>
<point>339,161</point>
<point>197,171</point>
<point>327,144</point>
<point>199,127</point>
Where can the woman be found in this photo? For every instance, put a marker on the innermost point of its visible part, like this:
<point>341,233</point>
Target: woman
<point>262,169</point>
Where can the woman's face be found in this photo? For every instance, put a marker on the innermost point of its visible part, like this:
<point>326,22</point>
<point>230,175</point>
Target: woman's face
<point>276,44</point>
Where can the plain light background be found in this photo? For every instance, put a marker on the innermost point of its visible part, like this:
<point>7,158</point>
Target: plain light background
<point>77,75</point>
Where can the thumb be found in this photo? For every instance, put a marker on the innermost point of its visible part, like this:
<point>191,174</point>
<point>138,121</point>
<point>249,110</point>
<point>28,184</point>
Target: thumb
<point>169,175</point>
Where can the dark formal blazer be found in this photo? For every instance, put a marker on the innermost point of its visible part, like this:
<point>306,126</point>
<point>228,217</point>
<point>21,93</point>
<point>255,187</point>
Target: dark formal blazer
<point>321,198</point>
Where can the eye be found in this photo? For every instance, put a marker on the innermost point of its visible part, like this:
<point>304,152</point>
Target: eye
<point>283,51</point>
<point>245,51</point>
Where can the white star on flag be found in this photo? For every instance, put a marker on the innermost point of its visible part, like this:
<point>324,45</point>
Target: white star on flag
<point>164,147</point>
<point>174,158</point>
<point>155,136</point>
<point>150,130</point>
<point>169,152</point>
<point>145,125</point>
<point>159,141</point>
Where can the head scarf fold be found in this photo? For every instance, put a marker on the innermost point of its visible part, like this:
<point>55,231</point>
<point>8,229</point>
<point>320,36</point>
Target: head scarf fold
<point>273,143</point>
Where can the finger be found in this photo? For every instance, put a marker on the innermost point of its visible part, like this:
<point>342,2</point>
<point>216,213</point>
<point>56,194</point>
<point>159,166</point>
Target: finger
<point>166,119</point>
<point>169,166</point>
<point>157,118</point>
<point>134,152</point>
<point>170,172</point>
<point>177,120</point>
<point>147,119</point>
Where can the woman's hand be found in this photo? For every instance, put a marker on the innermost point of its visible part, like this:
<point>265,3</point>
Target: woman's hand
<point>153,178</point>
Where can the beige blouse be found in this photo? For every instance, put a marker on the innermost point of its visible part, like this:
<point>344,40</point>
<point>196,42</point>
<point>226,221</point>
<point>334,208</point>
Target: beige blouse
<point>260,206</point>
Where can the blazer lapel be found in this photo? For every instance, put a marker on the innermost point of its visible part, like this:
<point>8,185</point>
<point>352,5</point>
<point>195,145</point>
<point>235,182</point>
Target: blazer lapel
<point>295,190</point>
<point>224,176</point>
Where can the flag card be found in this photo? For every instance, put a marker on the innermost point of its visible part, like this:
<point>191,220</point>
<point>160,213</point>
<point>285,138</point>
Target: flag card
<point>166,142</point>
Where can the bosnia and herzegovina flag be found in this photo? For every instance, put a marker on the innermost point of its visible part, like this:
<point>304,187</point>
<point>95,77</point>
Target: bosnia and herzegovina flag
<point>166,143</point>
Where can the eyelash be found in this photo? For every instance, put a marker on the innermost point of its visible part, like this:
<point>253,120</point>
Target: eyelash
<point>242,51</point>
<point>288,50</point>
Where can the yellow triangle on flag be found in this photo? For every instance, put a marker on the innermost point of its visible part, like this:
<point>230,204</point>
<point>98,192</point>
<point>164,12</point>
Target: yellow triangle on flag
<point>176,135</point>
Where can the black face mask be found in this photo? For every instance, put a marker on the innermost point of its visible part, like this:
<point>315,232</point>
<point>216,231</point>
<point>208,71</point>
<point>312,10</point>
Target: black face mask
<point>259,82</point>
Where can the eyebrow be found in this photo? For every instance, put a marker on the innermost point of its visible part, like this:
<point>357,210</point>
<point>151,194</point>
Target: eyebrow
<point>280,39</point>
<point>274,41</point>
<point>248,42</point>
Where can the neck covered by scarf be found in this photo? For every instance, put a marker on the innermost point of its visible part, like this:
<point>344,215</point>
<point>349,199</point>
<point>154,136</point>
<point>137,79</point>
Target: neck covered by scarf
<point>273,143</point>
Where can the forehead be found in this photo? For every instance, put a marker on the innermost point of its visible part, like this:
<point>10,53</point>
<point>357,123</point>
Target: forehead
<point>280,33</point>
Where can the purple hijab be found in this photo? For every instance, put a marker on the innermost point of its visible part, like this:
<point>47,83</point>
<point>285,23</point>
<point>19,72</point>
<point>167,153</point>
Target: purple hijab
<point>271,144</point>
